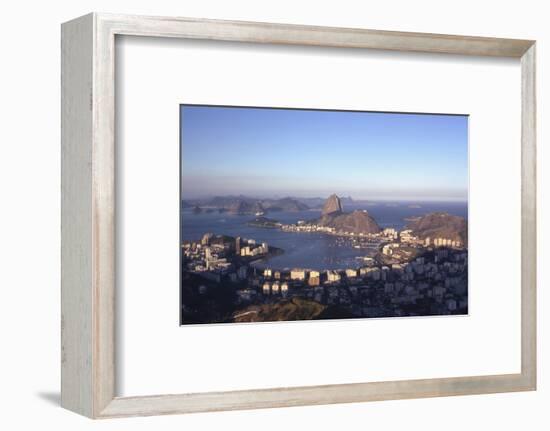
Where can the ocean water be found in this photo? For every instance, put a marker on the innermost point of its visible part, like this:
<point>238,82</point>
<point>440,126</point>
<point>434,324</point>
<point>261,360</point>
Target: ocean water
<point>310,250</point>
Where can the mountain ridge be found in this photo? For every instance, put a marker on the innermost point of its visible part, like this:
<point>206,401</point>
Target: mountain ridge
<point>246,205</point>
<point>440,225</point>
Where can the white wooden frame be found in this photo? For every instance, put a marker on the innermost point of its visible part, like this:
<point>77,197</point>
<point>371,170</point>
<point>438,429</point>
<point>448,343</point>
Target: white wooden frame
<point>88,215</point>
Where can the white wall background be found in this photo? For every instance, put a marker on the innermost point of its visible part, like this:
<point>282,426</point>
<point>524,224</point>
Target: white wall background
<point>29,216</point>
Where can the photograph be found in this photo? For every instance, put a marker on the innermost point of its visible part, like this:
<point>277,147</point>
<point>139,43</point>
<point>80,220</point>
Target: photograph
<point>302,214</point>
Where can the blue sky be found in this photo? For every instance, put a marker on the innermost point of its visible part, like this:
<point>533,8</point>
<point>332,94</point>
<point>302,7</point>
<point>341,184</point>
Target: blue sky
<point>309,153</point>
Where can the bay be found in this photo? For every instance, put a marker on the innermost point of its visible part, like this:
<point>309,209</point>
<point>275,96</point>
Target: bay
<point>310,250</point>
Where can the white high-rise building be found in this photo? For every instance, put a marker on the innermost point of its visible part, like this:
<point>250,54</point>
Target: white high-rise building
<point>297,274</point>
<point>333,276</point>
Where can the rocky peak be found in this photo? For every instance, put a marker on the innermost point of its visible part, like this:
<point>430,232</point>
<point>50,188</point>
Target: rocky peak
<point>333,205</point>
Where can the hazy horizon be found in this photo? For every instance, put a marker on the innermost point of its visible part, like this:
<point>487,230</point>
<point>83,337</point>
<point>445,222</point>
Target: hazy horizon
<point>274,153</point>
<point>341,196</point>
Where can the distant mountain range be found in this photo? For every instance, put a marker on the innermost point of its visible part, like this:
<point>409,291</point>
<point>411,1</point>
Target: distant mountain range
<point>433,225</point>
<point>248,205</point>
<point>245,205</point>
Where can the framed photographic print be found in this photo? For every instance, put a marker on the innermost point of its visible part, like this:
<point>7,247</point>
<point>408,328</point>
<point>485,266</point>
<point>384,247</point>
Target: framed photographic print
<point>265,215</point>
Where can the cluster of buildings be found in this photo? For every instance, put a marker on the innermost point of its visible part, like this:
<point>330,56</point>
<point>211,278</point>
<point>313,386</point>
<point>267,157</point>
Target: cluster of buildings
<point>274,288</point>
<point>303,226</point>
<point>250,248</point>
<point>406,236</point>
<point>442,242</point>
<point>409,276</point>
<point>408,244</point>
<point>432,284</point>
<point>215,256</point>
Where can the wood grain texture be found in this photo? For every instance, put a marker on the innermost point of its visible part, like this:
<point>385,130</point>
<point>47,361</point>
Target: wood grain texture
<point>528,218</point>
<point>89,203</point>
<point>287,34</point>
<point>103,216</point>
<point>312,395</point>
<point>76,216</point>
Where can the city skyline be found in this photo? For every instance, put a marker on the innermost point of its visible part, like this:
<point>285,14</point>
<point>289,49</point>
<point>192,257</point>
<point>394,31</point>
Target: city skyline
<point>266,152</point>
